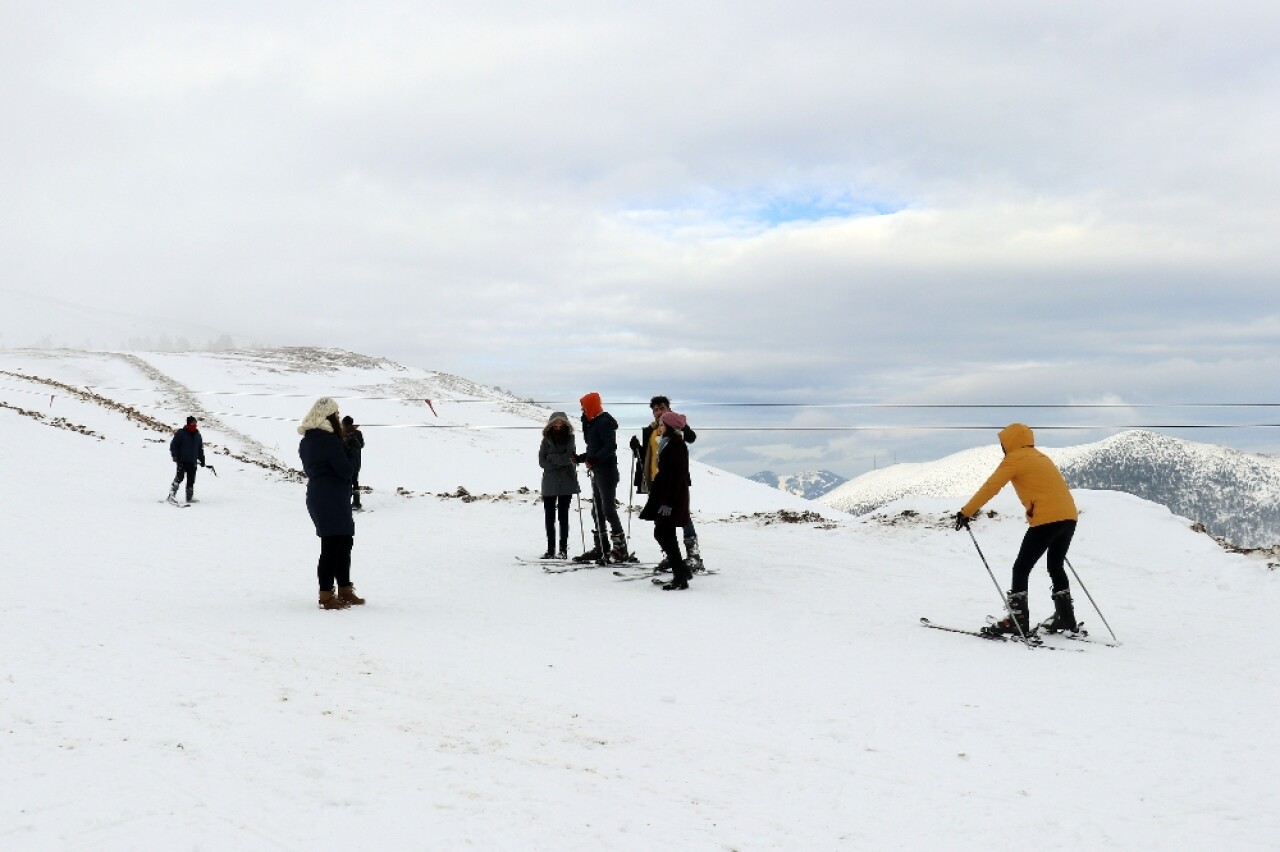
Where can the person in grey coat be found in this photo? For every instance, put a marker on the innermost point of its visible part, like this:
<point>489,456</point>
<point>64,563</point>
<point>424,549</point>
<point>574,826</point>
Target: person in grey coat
<point>327,463</point>
<point>559,480</point>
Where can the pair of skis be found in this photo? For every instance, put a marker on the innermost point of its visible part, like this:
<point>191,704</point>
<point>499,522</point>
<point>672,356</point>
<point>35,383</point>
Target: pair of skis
<point>565,566</point>
<point>1033,640</point>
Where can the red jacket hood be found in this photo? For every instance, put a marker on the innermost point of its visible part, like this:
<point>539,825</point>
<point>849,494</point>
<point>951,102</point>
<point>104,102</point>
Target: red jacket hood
<point>592,405</point>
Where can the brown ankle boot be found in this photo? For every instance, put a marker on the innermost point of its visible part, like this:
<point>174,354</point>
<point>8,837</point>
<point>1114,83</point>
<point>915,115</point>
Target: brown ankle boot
<point>328,600</point>
<point>349,596</point>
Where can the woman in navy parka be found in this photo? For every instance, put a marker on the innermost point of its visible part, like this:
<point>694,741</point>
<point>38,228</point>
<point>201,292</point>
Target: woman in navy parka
<point>329,469</point>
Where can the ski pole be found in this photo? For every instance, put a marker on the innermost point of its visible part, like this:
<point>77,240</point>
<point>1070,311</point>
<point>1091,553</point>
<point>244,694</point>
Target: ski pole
<point>598,513</point>
<point>581,532</point>
<point>210,468</point>
<point>631,490</point>
<point>1091,600</point>
<point>999,592</point>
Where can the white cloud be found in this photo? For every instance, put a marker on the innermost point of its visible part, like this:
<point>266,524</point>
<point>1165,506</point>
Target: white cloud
<point>840,201</point>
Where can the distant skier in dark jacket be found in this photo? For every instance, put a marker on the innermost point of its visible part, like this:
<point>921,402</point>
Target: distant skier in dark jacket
<point>644,451</point>
<point>354,439</point>
<point>186,449</point>
<point>328,466</point>
<point>668,503</point>
<point>600,434</point>
<point>1051,515</point>
<point>559,480</point>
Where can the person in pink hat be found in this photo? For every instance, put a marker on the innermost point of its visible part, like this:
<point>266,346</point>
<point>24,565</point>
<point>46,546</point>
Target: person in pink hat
<point>668,503</point>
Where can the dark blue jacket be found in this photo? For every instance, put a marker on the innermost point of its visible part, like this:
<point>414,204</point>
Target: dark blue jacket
<point>329,471</point>
<point>355,443</point>
<point>187,447</point>
<point>600,434</point>
<point>671,486</point>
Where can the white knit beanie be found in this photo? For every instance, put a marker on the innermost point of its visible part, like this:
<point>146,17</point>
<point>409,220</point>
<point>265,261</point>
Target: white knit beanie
<point>318,416</point>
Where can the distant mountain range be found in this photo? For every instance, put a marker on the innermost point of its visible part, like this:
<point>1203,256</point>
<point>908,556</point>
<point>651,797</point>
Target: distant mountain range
<point>1235,495</point>
<point>810,484</point>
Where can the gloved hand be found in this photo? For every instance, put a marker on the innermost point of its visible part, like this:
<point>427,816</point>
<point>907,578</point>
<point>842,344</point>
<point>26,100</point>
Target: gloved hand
<point>635,446</point>
<point>202,462</point>
<point>664,511</point>
<point>962,521</point>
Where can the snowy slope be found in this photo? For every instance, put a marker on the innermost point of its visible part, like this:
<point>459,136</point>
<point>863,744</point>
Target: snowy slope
<point>1236,495</point>
<point>168,682</point>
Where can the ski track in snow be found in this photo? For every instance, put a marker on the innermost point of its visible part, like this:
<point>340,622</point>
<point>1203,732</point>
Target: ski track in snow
<point>169,683</point>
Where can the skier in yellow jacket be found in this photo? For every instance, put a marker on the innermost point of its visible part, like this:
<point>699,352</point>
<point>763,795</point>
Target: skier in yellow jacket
<point>1052,516</point>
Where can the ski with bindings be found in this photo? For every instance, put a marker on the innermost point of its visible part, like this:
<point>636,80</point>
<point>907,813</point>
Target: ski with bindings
<point>927,623</point>
<point>1033,643</point>
<point>658,581</point>
<point>1081,636</point>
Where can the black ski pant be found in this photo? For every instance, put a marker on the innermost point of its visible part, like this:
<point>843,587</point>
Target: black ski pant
<point>665,535</point>
<point>187,469</point>
<point>553,507</point>
<point>604,493</point>
<point>1054,539</point>
<point>335,561</point>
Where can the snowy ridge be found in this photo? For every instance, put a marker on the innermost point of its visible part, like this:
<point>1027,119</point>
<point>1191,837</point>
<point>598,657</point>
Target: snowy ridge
<point>1235,495</point>
<point>809,484</point>
<point>168,682</point>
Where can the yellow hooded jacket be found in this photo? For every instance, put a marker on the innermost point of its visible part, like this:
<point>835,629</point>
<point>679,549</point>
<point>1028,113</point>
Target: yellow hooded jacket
<point>1035,478</point>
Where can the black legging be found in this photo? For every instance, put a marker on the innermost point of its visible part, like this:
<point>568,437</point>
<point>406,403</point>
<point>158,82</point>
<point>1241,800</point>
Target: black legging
<point>1055,538</point>
<point>553,507</point>
<point>665,535</point>
<point>604,491</point>
<point>335,561</point>
<point>187,469</point>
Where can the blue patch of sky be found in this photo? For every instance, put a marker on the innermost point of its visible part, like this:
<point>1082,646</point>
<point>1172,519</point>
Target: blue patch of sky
<point>760,209</point>
<point>779,210</point>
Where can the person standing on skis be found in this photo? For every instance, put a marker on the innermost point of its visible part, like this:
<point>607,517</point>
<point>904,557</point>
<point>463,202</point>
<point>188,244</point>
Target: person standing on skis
<point>559,480</point>
<point>1052,516</point>
<point>668,503</point>
<point>644,451</point>
<point>600,435</point>
<point>186,449</point>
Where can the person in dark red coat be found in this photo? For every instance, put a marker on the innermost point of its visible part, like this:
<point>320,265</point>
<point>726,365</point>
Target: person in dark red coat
<point>668,503</point>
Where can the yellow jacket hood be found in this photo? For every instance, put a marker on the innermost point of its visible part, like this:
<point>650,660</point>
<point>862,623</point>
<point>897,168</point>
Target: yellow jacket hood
<point>1015,436</point>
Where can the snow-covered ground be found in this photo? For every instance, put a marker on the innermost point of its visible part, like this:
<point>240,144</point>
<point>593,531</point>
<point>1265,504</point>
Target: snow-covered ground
<point>169,684</point>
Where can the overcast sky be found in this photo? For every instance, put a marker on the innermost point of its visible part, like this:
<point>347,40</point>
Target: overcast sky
<point>998,202</point>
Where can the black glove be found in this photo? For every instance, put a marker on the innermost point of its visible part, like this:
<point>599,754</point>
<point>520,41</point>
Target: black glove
<point>635,445</point>
<point>962,521</point>
<point>202,462</point>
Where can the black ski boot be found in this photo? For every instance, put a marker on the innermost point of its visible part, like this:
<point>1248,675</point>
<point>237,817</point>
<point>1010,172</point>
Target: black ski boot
<point>619,553</point>
<point>694,559</point>
<point>679,577</point>
<point>563,553</point>
<point>1064,614</point>
<point>1017,617</point>
<point>592,555</point>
